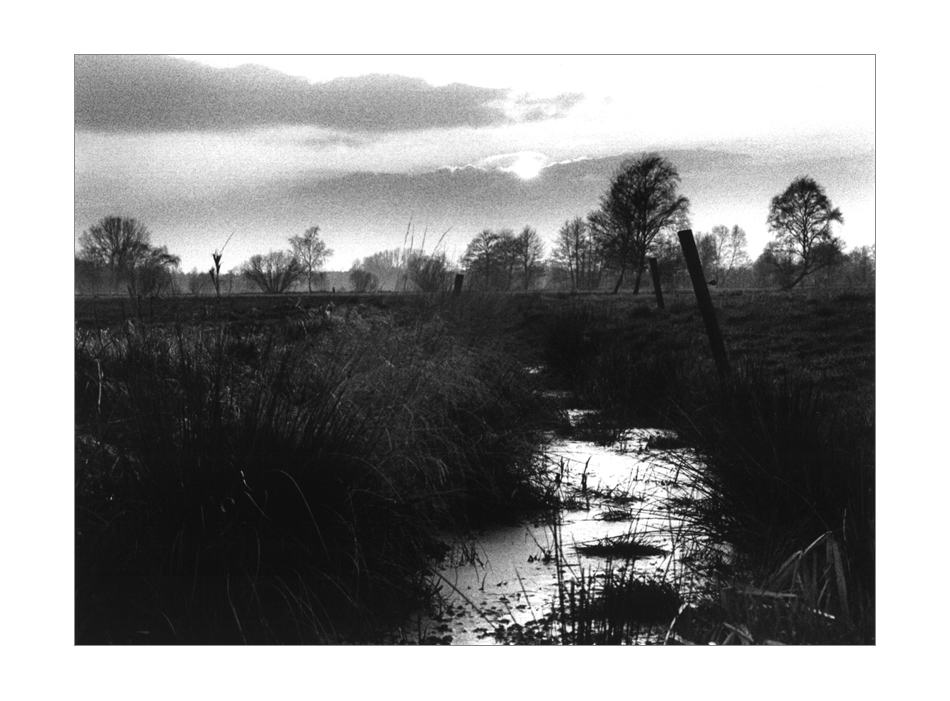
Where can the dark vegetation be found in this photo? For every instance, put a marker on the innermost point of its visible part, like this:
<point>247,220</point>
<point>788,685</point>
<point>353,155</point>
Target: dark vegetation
<point>284,477</point>
<point>787,444</point>
<point>248,470</point>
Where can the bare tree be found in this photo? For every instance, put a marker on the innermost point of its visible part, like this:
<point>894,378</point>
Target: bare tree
<point>801,218</point>
<point>429,272</point>
<point>152,275</point>
<point>708,254</point>
<point>670,260</point>
<point>642,202</point>
<point>122,247</point>
<point>387,267</point>
<point>506,258</point>
<point>481,256</point>
<point>529,250</point>
<point>274,272</point>
<point>730,250</point>
<point>861,265</point>
<point>115,242</point>
<point>774,266</point>
<point>569,247</point>
<point>311,252</point>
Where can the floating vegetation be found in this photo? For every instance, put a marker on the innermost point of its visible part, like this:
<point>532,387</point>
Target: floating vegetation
<point>625,547</point>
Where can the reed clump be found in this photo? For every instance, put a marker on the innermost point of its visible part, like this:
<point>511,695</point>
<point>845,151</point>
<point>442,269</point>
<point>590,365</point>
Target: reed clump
<point>784,469</point>
<point>285,481</point>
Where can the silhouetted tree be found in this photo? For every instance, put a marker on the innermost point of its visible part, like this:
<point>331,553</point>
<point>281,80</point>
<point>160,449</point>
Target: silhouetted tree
<point>122,247</point>
<point>670,261</point>
<point>528,249</point>
<point>152,275</point>
<point>481,257</point>
<point>800,218</point>
<point>274,272</point>
<point>577,252</point>
<point>311,253</point>
<point>507,260</point>
<point>774,266</point>
<point>642,202</point>
<point>429,272</point>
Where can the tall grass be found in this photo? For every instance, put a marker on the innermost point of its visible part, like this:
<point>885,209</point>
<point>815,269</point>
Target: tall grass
<point>786,468</point>
<point>285,482</point>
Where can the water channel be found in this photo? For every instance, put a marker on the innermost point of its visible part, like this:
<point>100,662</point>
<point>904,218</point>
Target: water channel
<point>507,584</point>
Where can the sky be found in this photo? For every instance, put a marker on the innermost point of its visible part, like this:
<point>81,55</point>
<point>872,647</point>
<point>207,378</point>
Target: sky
<point>374,148</point>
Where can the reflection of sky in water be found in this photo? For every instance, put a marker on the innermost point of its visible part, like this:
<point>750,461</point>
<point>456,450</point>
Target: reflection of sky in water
<point>509,574</point>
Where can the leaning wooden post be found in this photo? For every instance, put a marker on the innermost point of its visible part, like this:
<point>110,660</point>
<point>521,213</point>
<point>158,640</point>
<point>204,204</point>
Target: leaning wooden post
<point>695,268</point>
<point>458,284</point>
<point>655,274</point>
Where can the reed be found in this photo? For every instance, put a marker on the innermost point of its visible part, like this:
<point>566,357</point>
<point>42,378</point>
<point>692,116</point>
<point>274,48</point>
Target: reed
<point>784,451</point>
<point>285,482</point>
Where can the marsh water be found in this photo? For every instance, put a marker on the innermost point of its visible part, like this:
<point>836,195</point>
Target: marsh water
<point>506,584</point>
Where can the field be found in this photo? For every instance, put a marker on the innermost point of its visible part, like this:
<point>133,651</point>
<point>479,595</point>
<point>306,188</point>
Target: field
<point>251,469</point>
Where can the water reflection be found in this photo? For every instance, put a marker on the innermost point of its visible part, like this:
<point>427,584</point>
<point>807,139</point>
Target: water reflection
<point>508,579</point>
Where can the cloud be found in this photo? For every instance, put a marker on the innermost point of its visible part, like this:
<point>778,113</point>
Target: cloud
<point>122,93</point>
<point>524,164</point>
<point>534,109</point>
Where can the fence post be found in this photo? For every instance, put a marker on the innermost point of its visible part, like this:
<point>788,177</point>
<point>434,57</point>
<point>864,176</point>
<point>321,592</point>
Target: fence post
<point>458,284</point>
<point>698,279</point>
<point>655,274</point>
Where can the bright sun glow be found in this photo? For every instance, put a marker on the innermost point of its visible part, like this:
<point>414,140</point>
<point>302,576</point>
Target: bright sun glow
<point>527,166</point>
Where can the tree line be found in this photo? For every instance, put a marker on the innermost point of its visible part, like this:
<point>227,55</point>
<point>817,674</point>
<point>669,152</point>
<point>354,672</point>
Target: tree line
<point>116,255</point>
<point>636,219</point>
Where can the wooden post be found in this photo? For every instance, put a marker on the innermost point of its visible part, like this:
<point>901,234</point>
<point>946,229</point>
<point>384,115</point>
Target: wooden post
<point>655,274</point>
<point>458,284</point>
<point>696,275</point>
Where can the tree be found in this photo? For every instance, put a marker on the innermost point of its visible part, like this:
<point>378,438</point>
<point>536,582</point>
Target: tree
<point>429,272</point>
<point>86,276</point>
<point>567,248</point>
<point>362,280</point>
<point>708,254</point>
<point>861,265</point>
<point>153,273</point>
<point>731,253</point>
<point>670,260</point>
<point>115,243</point>
<point>480,258</point>
<point>194,281</point>
<point>387,267</point>
<point>311,253</point>
<point>641,203</point>
<point>801,219</point>
<point>273,273</point>
<point>122,246</point>
<point>577,251</point>
<point>774,266</point>
<point>528,249</point>
<point>506,258</point>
